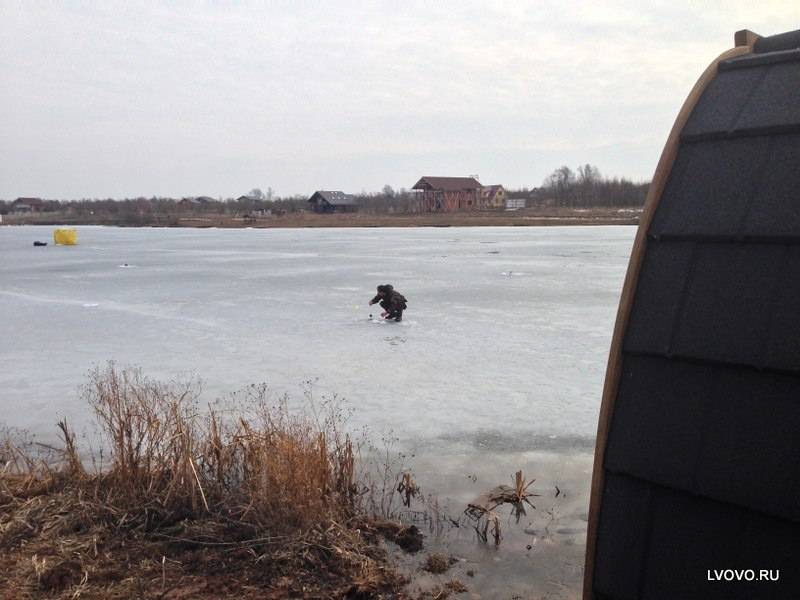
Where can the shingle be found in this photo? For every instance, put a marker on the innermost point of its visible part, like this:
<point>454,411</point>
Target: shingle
<point>780,41</point>
<point>783,347</point>
<point>672,190</point>
<point>689,536</point>
<point>660,405</point>
<point>751,454</point>
<point>692,536</point>
<point>721,101</point>
<point>711,190</point>
<point>731,433</point>
<point>726,308</point>
<point>658,293</point>
<point>666,541</point>
<point>776,100</point>
<point>773,544</point>
<point>775,207</point>
<point>621,537</point>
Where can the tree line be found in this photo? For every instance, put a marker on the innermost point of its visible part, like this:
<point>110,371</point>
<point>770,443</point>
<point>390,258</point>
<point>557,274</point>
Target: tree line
<point>585,187</point>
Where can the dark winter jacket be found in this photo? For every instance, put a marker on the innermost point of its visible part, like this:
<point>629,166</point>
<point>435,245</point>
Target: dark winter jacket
<point>390,299</point>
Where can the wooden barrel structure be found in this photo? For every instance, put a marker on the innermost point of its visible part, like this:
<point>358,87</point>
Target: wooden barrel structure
<point>697,466</point>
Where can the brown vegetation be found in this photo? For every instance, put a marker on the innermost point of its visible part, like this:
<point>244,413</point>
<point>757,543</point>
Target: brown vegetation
<point>524,217</point>
<point>437,562</point>
<point>442,592</point>
<point>184,503</point>
<point>482,509</point>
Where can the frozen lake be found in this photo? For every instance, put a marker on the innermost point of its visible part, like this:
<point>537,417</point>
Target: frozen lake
<point>507,330</point>
<point>497,366</point>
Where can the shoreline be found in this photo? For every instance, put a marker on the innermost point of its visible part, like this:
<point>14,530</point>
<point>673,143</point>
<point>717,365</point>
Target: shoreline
<point>530,217</point>
<point>272,507</point>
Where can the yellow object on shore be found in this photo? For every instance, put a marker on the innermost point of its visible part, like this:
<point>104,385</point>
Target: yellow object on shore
<point>65,237</point>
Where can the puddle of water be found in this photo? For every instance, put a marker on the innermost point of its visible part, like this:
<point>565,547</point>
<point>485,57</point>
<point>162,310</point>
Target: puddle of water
<point>542,555</point>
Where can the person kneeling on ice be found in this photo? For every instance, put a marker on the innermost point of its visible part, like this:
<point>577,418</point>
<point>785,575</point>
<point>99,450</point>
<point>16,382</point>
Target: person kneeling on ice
<point>392,302</point>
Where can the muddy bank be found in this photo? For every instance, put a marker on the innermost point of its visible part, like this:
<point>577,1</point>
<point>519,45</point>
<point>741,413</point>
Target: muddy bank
<point>252,502</point>
<point>59,538</point>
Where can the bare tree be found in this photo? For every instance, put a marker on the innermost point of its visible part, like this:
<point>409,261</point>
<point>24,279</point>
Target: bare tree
<point>588,174</point>
<point>588,188</point>
<point>559,183</point>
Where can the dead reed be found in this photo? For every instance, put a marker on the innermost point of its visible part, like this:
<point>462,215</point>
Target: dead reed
<point>259,501</point>
<point>481,510</point>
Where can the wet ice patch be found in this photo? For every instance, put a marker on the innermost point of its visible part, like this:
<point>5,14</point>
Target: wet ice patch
<point>495,440</point>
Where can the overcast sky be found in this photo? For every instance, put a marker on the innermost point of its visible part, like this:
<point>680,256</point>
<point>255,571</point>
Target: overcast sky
<point>140,99</point>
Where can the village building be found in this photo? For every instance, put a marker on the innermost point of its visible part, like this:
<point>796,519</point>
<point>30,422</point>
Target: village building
<point>27,205</point>
<point>444,194</point>
<point>323,201</point>
<point>493,196</point>
<point>195,201</point>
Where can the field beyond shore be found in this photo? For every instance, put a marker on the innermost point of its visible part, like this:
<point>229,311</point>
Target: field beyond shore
<point>522,217</point>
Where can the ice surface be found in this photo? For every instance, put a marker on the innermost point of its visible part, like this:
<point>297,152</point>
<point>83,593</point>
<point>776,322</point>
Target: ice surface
<point>505,338</point>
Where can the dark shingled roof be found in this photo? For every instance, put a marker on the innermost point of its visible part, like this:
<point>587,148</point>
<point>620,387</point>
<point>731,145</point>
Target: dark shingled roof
<point>447,184</point>
<point>702,461</point>
<point>334,198</point>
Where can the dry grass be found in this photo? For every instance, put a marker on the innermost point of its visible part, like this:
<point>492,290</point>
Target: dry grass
<point>456,586</point>
<point>437,562</point>
<point>185,503</point>
<point>442,592</point>
<point>545,216</point>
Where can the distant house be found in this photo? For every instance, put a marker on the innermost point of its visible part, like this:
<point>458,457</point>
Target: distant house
<point>441,194</point>
<point>195,200</point>
<point>493,196</point>
<point>27,205</point>
<point>323,201</point>
<point>247,198</point>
